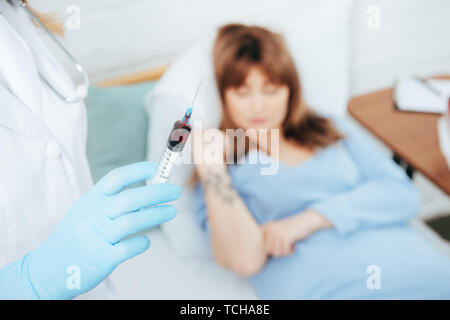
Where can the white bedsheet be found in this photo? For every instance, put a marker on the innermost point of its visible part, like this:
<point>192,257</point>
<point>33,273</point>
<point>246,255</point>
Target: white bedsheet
<point>159,273</point>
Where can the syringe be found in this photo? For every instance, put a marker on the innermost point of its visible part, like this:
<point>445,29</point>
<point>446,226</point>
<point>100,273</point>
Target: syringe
<point>177,139</point>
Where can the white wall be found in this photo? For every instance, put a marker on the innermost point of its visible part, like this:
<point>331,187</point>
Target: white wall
<point>414,36</point>
<point>122,36</point>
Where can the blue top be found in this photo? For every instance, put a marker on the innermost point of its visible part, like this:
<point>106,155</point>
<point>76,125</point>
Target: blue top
<point>371,252</point>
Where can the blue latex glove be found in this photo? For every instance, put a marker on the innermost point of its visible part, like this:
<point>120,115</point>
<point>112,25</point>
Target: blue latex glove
<point>89,240</point>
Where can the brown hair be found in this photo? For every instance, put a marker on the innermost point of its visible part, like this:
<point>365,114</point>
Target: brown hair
<point>238,48</point>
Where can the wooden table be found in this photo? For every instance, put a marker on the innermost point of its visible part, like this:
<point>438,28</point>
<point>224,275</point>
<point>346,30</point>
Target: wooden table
<point>412,136</point>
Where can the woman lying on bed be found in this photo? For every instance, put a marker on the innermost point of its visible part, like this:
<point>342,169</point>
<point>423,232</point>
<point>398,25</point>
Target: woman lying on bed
<point>333,222</point>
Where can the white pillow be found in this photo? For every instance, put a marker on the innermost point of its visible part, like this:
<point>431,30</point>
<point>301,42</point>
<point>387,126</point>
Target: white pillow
<point>318,38</point>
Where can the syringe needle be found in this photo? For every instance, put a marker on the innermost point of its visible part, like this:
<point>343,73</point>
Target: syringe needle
<point>196,92</point>
<point>188,112</point>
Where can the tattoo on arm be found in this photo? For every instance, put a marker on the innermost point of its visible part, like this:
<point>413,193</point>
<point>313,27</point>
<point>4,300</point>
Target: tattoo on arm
<point>221,185</point>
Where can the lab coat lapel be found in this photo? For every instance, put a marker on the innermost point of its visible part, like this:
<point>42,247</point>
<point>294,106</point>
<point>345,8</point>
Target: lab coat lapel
<point>19,74</point>
<point>16,116</point>
<point>21,94</point>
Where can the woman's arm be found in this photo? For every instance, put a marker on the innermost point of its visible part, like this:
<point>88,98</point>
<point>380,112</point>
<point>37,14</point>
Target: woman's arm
<point>384,196</point>
<point>279,236</point>
<point>236,237</point>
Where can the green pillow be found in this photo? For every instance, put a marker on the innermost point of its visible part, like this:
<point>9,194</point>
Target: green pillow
<point>117,127</point>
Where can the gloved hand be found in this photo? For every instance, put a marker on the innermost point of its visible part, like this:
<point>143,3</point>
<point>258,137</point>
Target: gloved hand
<point>89,241</point>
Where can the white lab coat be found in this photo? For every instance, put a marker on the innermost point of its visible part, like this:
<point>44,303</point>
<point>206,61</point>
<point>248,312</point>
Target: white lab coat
<point>43,164</point>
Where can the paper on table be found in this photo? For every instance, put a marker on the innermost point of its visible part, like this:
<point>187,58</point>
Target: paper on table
<point>412,95</point>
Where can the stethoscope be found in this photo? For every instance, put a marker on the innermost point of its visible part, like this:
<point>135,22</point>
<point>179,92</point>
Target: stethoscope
<point>81,90</point>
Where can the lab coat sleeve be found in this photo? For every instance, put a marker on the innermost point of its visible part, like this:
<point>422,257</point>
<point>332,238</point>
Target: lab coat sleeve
<point>14,282</point>
<point>384,195</point>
